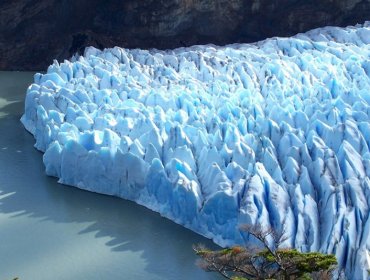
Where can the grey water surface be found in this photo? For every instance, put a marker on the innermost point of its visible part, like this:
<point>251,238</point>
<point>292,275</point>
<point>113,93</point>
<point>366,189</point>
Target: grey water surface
<point>52,231</point>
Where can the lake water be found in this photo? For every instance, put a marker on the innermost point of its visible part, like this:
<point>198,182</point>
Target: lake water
<point>52,231</point>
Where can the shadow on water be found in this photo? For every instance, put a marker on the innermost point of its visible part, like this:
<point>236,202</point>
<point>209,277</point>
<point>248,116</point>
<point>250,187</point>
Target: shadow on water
<point>26,193</point>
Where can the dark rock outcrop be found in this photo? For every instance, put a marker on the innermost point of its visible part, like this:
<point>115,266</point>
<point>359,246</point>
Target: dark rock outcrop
<point>33,33</point>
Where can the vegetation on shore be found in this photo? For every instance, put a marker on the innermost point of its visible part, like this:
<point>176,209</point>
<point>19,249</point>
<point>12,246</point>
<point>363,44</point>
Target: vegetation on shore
<point>267,261</point>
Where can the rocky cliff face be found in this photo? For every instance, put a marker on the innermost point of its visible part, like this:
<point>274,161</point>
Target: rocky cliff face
<point>33,33</point>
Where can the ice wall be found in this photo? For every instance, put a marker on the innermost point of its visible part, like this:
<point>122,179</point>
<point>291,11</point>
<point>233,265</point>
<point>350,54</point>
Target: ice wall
<point>275,133</point>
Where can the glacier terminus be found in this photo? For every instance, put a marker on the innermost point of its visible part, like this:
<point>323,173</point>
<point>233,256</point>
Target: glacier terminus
<point>275,133</point>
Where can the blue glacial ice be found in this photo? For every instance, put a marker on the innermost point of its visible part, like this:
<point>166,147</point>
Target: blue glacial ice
<point>275,133</point>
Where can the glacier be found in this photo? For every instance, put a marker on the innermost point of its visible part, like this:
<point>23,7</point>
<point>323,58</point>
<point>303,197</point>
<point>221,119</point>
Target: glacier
<point>275,133</point>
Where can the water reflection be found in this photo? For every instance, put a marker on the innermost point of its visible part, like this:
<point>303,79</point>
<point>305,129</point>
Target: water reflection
<point>48,230</point>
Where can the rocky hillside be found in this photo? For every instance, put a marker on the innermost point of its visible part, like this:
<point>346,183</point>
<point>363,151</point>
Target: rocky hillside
<point>33,33</point>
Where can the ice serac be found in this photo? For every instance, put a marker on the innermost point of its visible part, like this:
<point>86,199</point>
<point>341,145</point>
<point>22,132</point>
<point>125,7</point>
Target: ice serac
<point>274,133</point>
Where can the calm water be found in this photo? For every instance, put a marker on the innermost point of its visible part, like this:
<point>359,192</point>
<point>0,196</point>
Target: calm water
<point>51,231</point>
